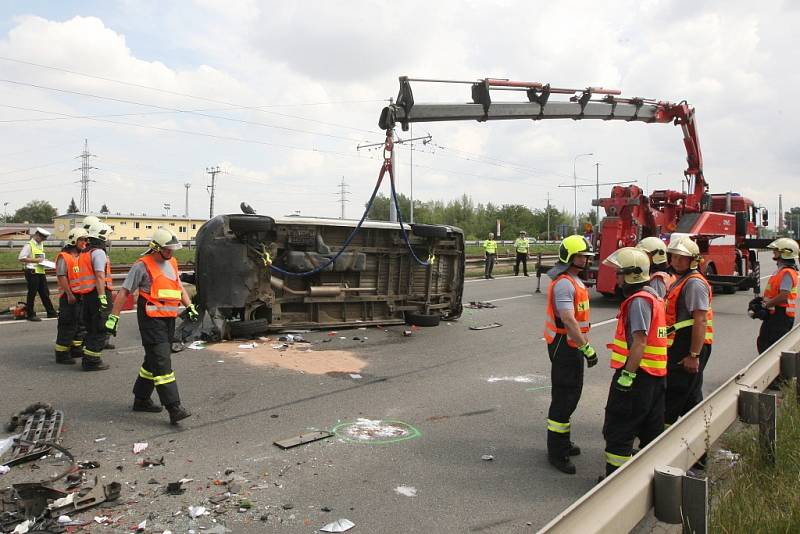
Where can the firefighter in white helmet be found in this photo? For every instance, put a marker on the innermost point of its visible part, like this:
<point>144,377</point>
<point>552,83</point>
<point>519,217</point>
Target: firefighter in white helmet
<point>635,407</point>
<point>95,296</point>
<point>89,220</point>
<point>660,277</point>
<point>780,295</point>
<point>690,329</point>
<point>70,282</point>
<point>161,293</point>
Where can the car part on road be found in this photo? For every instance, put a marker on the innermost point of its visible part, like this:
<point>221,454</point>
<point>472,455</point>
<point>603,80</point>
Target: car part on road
<point>486,326</point>
<point>422,319</point>
<point>42,429</point>
<point>308,437</point>
<point>247,329</point>
<point>480,305</point>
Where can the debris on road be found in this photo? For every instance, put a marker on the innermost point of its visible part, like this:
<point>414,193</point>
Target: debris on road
<point>356,376</point>
<point>340,525</point>
<point>407,333</point>
<point>486,326</point>
<point>408,491</point>
<point>88,465</point>
<point>288,443</point>
<point>98,440</point>
<point>42,427</point>
<point>196,345</point>
<point>175,488</point>
<point>478,305</point>
<point>525,379</point>
<point>139,447</point>
<point>149,462</point>
<point>248,345</point>
<point>487,457</point>
<point>197,511</point>
<point>4,469</point>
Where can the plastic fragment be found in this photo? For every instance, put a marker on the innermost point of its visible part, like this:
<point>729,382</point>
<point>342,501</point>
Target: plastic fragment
<point>340,525</point>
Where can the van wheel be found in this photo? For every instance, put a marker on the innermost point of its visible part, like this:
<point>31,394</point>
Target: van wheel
<point>423,319</point>
<point>246,329</point>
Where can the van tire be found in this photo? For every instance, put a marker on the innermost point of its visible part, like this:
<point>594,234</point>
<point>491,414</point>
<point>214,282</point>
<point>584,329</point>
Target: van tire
<point>245,224</point>
<point>430,230</point>
<point>247,329</point>
<point>423,319</point>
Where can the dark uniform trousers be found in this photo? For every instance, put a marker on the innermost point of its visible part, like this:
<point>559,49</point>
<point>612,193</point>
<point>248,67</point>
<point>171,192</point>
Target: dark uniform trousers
<point>68,335</point>
<point>638,413</point>
<point>566,377</point>
<point>521,257</point>
<point>156,371</point>
<point>37,283</point>
<point>94,320</point>
<point>488,265</point>
<point>684,390</point>
<point>774,327</point>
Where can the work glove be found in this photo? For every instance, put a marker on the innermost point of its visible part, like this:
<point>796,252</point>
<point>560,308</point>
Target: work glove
<point>625,381</point>
<point>756,309</point>
<point>590,354</point>
<point>191,313</point>
<point>103,303</point>
<point>111,324</point>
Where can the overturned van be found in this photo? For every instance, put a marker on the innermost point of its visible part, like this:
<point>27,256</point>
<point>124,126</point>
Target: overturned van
<point>256,274</point>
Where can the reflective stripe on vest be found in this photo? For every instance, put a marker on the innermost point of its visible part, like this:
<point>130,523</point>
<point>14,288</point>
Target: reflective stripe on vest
<point>37,251</point>
<point>580,305</point>
<point>164,298</point>
<point>673,294</point>
<point>654,358</point>
<point>521,245</point>
<point>88,278</point>
<point>490,246</point>
<point>773,289</point>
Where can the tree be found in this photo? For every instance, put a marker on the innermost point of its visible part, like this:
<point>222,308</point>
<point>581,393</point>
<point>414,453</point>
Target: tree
<point>35,212</point>
<point>104,210</point>
<point>73,208</point>
<point>791,222</point>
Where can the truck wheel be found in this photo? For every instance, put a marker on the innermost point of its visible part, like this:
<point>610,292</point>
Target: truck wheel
<point>246,329</point>
<point>244,224</point>
<point>422,319</point>
<point>430,230</point>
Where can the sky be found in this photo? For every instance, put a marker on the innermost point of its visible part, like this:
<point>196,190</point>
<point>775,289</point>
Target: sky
<point>280,95</point>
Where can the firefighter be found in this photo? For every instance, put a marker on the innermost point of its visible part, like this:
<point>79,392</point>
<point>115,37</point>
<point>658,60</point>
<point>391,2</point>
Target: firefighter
<point>490,255</point>
<point>95,298</point>
<point>635,406</point>
<point>660,277</point>
<point>71,281</point>
<point>780,295</point>
<point>565,330</point>
<point>690,329</point>
<point>522,246</point>
<point>88,221</point>
<point>161,292</point>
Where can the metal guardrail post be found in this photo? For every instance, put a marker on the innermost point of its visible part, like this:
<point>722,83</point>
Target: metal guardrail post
<point>695,504</point>
<point>667,494</point>
<point>538,272</point>
<point>761,409</point>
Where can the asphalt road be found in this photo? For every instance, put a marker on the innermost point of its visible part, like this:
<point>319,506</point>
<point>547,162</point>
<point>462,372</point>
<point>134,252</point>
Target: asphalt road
<point>450,384</point>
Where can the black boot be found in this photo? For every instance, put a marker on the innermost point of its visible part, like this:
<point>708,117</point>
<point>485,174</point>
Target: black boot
<point>109,346</point>
<point>564,465</point>
<point>177,413</point>
<point>64,357</point>
<point>145,405</point>
<point>574,450</point>
<point>76,352</point>
<point>93,363</point>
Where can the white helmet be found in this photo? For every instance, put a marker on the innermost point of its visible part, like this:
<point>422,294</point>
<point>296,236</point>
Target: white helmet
<point>632,262</point>
<point>655,248</point>
<point>685,246</point>
<point>787,247</point>
<point>163,238</point>
<point>100,231</point>
<point>75,234</point>
<point>88,221</point>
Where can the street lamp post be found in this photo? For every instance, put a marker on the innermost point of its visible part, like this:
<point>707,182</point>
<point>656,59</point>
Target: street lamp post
<point>575,186</point>
<point>647,182</point>
<point>5,212</point>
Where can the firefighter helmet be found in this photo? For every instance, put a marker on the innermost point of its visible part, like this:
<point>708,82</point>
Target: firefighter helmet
<point>163,238</point>
<point>99,231</point>
<point>786,247</point>
<point>88,221</point>
<point>75,234</point>
<point>685,246</point>
<point>574,245</point>
<point>655,248</point>
<point>632,262</point>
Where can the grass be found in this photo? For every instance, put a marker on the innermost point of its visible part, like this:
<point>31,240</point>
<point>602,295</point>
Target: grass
<point>119,256</point>
<point>753,496</point>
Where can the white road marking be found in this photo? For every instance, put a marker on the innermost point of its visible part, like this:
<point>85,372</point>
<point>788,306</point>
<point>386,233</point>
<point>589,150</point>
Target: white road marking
<point>509,298</point>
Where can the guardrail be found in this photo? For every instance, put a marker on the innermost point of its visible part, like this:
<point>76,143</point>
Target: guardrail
<point>623,499</point>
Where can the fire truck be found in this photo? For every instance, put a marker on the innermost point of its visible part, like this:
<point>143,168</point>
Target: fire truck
<point>725,225</point>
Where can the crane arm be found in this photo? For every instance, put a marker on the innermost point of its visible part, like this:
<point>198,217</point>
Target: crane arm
<point>544,102</point>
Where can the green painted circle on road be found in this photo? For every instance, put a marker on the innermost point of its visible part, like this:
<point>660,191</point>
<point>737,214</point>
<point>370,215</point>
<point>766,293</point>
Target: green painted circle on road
<point>375,432</point>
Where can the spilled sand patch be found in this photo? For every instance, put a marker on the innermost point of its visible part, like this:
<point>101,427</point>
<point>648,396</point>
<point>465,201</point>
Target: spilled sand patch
<point>297,357</point>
